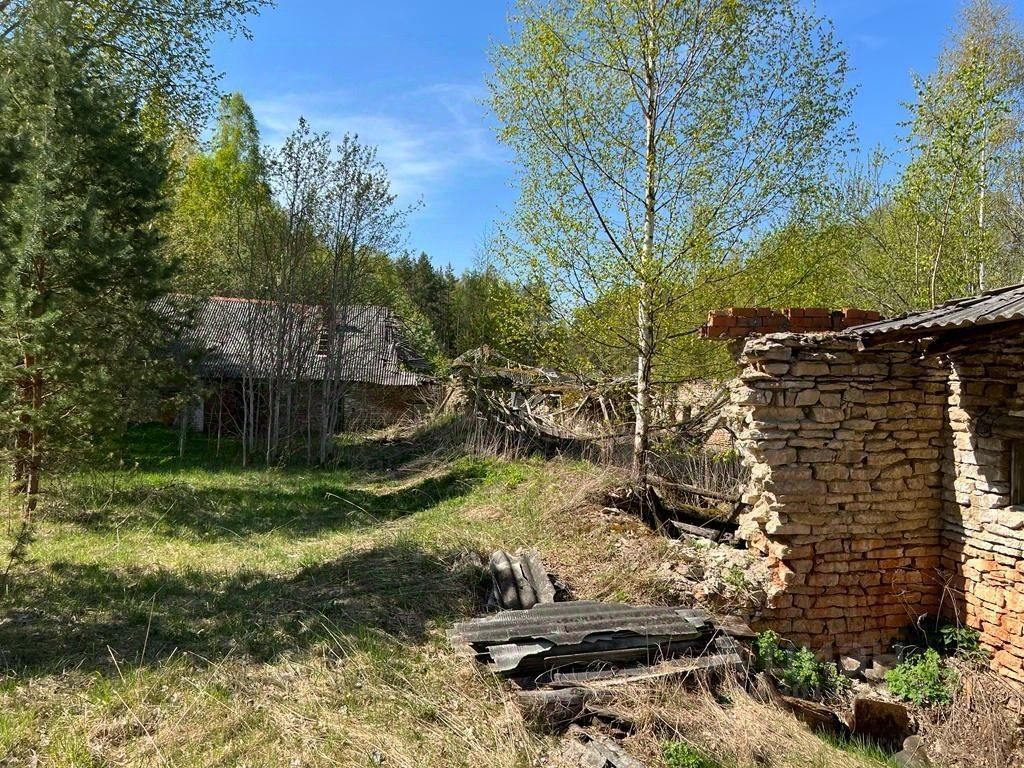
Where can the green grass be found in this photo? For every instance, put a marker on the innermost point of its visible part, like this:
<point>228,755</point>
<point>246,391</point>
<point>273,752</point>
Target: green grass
<point>190,612</point>
<point>870,754</point>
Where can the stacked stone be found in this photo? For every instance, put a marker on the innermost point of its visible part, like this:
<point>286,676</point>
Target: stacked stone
<point>845,497</point>
<point>983,534</point>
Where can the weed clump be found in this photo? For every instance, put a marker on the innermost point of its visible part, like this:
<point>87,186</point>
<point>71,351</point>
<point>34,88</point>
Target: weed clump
<point>679,754</point>
<point>923,679</point>
<point>951,640</point>
<point>797,670</point>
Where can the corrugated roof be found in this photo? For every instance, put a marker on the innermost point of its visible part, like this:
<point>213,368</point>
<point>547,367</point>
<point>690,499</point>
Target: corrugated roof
<point>573,622</point>
<point>577,635</point>
<point>268,338</point>
<point>997,306</point>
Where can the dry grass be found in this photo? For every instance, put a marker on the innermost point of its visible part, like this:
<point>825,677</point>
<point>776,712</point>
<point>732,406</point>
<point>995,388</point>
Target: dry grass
<point>727,725</point>
<point>978,729</point>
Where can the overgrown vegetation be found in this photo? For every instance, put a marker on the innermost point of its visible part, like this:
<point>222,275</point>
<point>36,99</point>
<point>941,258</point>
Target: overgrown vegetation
<point>679,754</point>
<point>949,639</point>
<point>927,675</point>
<point>797,670</point>
<point>923,679</point>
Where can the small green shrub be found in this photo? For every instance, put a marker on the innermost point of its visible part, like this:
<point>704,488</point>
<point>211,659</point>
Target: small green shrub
<point>797,669</point>
<point>947,638</point>
<point>679,754</point>
<point>962,642</point>
<point>922,679</point>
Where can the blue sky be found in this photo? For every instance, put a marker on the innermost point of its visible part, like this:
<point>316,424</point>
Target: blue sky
<point>410,77</point>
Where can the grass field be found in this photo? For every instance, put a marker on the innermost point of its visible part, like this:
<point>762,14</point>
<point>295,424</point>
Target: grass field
<point>192,613</point>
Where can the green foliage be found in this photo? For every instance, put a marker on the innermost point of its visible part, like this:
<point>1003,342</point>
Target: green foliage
<point>797,669</point>
<point>923,679</point>
<point>215,200</point>
<point>654,148</point>
<point>947,226</point>
<point>79,262</point>
<point>947,639</point>
<point>963,642</point>
<point>158,51</point>
<point>679,754</point>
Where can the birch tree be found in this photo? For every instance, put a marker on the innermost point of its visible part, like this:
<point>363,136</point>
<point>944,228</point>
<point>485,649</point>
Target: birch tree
<point>360,221</point>
<point>655,138</point>
<point>950,224</point>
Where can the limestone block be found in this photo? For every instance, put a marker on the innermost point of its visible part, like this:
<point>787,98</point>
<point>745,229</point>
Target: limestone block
<point>827,415</point>
<point>816,456</point>
<point>807,397</point>
<point>831,472</point>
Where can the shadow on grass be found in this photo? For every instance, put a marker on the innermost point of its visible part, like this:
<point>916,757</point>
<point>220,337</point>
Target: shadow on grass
<point>79,617</point>
<point>154,448</point>
<point>374,452</point>
<point>298,506</point>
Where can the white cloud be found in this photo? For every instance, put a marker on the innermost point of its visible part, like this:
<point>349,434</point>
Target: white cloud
<point>424,137</point>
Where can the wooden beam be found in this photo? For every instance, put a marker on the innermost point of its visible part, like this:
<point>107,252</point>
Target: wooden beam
<point>706,493</point>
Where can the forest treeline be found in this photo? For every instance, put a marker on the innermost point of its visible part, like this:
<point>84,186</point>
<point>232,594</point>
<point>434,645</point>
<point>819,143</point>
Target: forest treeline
<point>938,215</point>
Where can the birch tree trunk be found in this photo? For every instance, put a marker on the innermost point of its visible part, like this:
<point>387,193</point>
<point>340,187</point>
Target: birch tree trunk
<point>645,309</point>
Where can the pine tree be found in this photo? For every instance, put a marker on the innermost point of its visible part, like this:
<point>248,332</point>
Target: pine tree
<point>78,260</point>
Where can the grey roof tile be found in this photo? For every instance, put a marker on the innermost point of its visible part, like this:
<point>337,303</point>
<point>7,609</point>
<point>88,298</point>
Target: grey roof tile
<point>268,338</point>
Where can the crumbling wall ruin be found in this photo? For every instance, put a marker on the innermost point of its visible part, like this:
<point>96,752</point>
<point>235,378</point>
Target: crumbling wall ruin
<point>983,532</point>
<point>886,485</point>
<point>845,452</point>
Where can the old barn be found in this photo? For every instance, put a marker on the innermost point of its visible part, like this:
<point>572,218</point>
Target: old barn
<point>295,367</point>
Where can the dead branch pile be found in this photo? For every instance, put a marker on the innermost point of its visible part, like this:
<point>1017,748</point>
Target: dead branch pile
<point>570,412</point>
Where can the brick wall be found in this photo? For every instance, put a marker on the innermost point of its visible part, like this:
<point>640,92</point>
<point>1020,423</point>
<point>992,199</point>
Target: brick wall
<point>740,322</point>
<point>845,454</point>
<point>984,537</point>
<point>881,489</point>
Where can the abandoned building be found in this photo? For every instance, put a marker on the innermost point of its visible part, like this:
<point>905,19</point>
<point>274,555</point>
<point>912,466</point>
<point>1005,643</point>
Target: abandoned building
<point>887,469</point>
<point>248,347</point>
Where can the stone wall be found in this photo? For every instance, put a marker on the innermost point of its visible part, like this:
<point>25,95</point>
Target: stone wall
<point>984,537</point>
<point>845,450</point>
